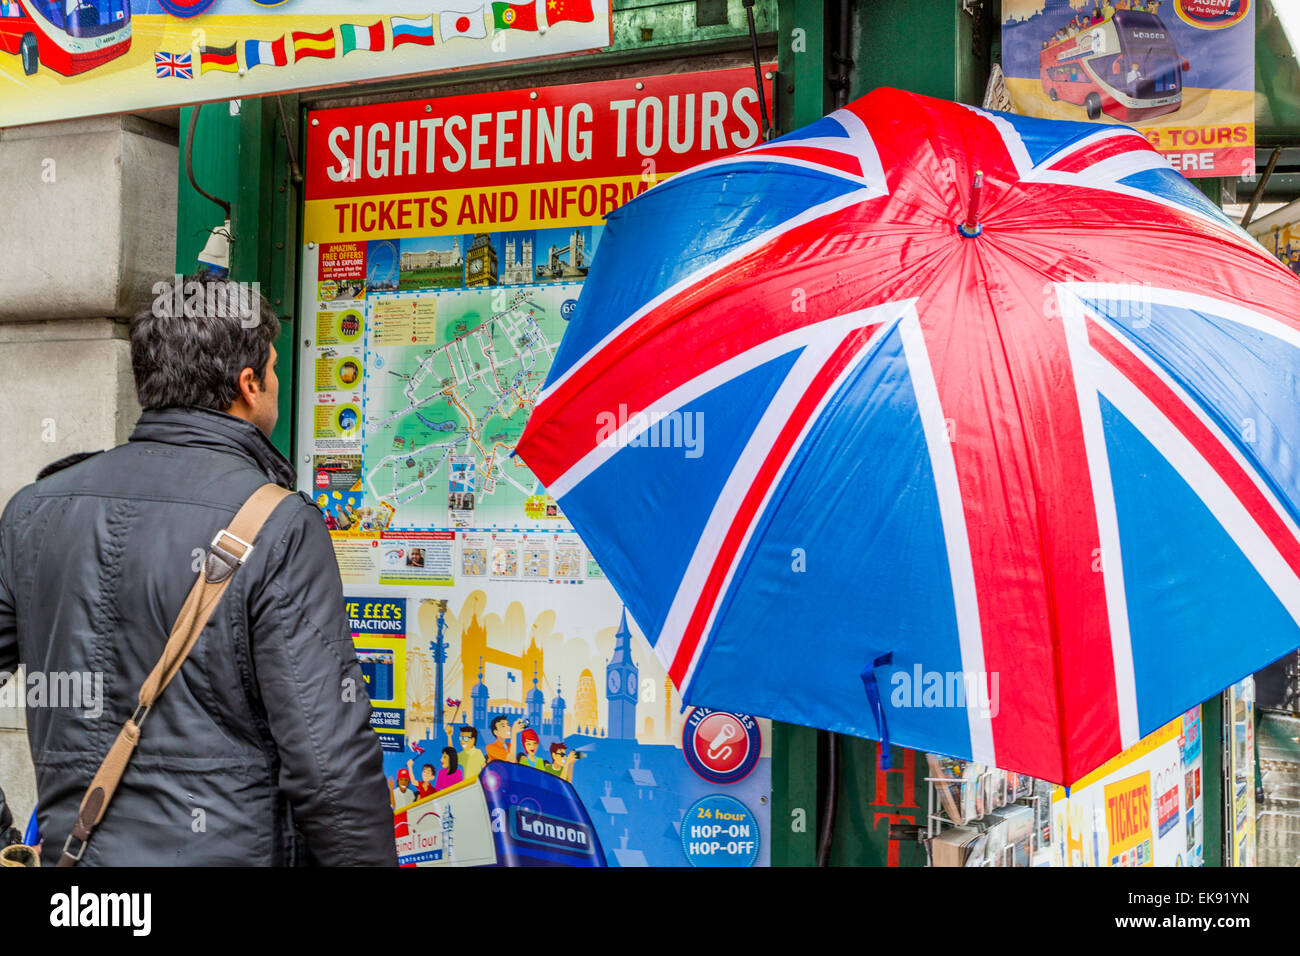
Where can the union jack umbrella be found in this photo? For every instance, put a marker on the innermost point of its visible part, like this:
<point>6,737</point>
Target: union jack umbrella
<point>993,420</point>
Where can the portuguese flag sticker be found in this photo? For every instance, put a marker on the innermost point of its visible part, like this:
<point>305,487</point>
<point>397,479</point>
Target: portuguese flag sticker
<point>514,16</point>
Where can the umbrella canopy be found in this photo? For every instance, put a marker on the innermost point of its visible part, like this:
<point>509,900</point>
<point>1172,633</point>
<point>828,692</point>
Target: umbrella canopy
<point>1032,480</point>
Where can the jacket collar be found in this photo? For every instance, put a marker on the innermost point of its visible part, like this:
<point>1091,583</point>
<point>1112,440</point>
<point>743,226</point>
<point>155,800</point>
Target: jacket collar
<point>195,427</point>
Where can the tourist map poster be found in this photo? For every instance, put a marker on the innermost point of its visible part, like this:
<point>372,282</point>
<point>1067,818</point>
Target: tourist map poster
<point>522,717</point>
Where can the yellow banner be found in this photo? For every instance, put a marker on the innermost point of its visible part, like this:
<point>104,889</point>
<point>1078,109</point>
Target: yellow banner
<point>460,211</point>
<point>1201,137</point>
<point>1128,819</point>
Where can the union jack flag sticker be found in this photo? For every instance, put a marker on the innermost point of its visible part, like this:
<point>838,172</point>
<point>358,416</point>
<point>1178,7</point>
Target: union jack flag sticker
<point>173,65</point>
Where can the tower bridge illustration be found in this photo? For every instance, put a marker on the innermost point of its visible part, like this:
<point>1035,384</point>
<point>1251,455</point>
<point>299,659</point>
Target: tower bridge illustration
<point>477,706</point>
<point>566,262</point>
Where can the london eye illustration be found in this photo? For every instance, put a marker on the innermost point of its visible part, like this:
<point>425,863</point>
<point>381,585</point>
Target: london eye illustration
<point>381,266</point>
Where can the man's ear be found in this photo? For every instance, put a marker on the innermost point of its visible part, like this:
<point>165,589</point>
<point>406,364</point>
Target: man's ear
<point>248,385</point>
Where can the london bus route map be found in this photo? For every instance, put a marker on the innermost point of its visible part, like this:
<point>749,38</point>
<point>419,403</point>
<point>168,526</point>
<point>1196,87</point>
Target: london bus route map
<point>442,415</point>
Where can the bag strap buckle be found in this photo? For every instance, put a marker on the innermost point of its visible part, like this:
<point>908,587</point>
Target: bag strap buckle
<point>225,533</point>
<point>67,844</point>
<point>228,558</point>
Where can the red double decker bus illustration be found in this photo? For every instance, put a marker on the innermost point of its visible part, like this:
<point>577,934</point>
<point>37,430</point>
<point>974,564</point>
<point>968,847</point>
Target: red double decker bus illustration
<point>67,36</point>
<point>1126,67</point>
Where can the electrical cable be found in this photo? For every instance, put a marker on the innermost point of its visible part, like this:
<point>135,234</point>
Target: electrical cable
<point>1261,186</point>
<point>189,163</point>
<point>294,171</point>
<point>826,836</point>
<point>758,70</point>
<point>843,61</point>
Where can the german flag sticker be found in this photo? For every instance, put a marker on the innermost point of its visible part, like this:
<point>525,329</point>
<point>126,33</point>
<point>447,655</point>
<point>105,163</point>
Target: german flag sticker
<point>218,58</point>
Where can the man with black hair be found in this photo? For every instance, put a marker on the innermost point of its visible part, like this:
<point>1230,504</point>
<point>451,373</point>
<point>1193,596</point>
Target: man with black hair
<point>260,749</point>
<point>503,747</point>
<point>470,758</point>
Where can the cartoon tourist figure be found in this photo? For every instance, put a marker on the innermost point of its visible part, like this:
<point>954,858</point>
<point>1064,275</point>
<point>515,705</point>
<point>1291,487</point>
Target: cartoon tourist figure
<point>530,742</point>
<point>470,759</point>
<point>562,761</point>
<point>426,785</point>
<point>450,774</point>
<point>503,747</point>
<point>403,793</point>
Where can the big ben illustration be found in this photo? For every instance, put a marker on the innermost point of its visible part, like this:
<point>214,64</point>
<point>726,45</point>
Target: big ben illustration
<point>622,686</point>
<point>481,262</point>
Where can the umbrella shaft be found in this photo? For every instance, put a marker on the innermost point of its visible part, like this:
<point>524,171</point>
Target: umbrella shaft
<point>971,227</point>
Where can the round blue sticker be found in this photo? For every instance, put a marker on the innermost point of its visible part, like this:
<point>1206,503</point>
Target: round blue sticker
<point>719,745</point>
<point>185,8</point>
<point>567,307</point>
<point>720,831</point>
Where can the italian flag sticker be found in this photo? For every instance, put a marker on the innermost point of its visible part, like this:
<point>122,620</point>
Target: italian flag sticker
<point>357,37</point>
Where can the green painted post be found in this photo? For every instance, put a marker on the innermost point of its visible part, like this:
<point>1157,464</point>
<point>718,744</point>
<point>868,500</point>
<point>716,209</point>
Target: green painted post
<point>872,800</point>
<point>932,47</point>
<point>216,145</point>
<point>802,95</point>
<point>228,162</point>
<point>925,46</point>
<point>1212,770</point>
<point>264,226</point>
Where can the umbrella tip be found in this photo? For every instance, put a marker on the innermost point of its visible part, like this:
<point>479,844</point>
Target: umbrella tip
<point>971,227</point>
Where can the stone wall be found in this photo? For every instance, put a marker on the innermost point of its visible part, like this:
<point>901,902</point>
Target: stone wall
<point>90,225</point>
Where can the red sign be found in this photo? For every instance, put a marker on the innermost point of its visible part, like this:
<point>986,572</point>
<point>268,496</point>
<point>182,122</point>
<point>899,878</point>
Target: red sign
<point>1166,810</point>
<point>721,743</point>
<point>343,260</point>
<point>633,127</point>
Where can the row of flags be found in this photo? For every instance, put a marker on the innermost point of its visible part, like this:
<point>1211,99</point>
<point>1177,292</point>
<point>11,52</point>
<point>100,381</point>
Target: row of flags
<point>351,36</point>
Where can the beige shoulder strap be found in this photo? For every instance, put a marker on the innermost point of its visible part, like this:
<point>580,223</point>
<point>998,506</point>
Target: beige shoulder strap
<point>229,549</point>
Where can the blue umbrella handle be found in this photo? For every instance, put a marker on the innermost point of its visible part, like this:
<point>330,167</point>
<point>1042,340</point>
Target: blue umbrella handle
<point>32,835</point>
<point>877,711</point>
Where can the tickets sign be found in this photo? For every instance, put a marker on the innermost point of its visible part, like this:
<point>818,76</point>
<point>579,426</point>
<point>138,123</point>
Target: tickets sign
<point>1128,820</point>
<point>60,60</point>
<point>1143,807</point>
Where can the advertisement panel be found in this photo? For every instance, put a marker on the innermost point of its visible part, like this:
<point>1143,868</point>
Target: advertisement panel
<point>60,60</point>
<point>1180,71</point>
<point>446,244</point>
<point>1143,807</point>
<point>1284,242</point>
<point>1241,757</point>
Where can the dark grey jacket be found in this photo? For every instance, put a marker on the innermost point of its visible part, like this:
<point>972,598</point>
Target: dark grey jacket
<point>259,751</point>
